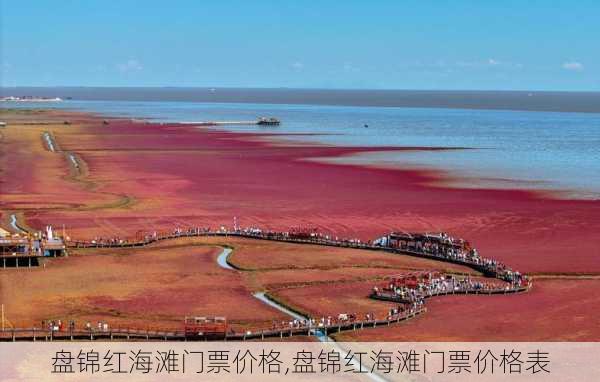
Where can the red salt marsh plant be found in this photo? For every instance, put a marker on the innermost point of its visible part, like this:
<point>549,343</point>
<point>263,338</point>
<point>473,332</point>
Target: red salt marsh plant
<point>137,288</point>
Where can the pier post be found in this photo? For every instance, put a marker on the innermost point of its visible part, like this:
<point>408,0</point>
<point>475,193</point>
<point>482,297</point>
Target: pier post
<point>262,335</point>
<point>33,334</point>
<point>354,326</point>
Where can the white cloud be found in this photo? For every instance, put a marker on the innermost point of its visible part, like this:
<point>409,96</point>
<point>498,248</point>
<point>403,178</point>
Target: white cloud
<point>297,66</point>
<point>573,66</point>
<point>132,65</point>
<point>491,61</point>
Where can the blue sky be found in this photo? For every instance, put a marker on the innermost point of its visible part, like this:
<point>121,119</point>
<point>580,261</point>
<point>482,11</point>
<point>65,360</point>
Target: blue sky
<point>532,45</point>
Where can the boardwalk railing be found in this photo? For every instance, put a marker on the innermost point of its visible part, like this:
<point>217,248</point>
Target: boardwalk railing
<point>37,334</point>
<point>391,296</point>
<point>480,265</point>
<point>488,267</point>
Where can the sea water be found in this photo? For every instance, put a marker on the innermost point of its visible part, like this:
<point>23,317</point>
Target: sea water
<point>541,150</point>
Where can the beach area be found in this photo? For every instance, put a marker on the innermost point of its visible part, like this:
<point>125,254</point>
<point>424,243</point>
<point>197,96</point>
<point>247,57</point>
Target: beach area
<point>106,177</point>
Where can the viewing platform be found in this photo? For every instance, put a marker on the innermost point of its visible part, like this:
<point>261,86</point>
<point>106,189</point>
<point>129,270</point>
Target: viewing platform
<point>25,250</point>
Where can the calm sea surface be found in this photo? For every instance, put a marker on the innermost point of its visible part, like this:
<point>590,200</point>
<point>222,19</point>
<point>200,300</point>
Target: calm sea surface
<point>557,151</point>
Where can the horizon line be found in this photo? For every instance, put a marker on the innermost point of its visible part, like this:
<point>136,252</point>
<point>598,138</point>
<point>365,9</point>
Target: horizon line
<point>292,88</point>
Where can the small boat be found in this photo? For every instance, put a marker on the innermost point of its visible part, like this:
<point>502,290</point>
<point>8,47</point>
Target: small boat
<point>268,121</point>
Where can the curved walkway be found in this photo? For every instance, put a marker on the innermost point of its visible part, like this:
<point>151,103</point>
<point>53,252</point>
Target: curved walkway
<point>301,325</point>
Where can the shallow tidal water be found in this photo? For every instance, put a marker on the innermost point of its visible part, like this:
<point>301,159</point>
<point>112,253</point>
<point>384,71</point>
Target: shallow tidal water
<point>541,150</point>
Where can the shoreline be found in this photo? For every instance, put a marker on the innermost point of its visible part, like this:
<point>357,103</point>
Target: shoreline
<point>249,170</point>
<point>460,179</point>
<point>481,165</point>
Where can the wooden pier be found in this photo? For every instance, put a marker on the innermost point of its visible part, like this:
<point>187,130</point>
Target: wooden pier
<point>260,121</point>
<point>19,261</point>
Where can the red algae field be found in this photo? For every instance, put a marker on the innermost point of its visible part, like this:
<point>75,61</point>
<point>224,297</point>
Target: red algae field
<point>116,179</point>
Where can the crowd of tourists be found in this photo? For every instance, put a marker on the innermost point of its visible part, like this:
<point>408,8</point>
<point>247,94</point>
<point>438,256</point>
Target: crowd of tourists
<point>399,312</point>
<point>417,286</point>
<point>58,325</point>
<point>62,326</point>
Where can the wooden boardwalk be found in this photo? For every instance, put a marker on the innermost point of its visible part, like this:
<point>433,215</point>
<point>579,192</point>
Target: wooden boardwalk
<point>128,334</point>
<point>296,329</point>
<point>388,296</point>
<point>479,267</point>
